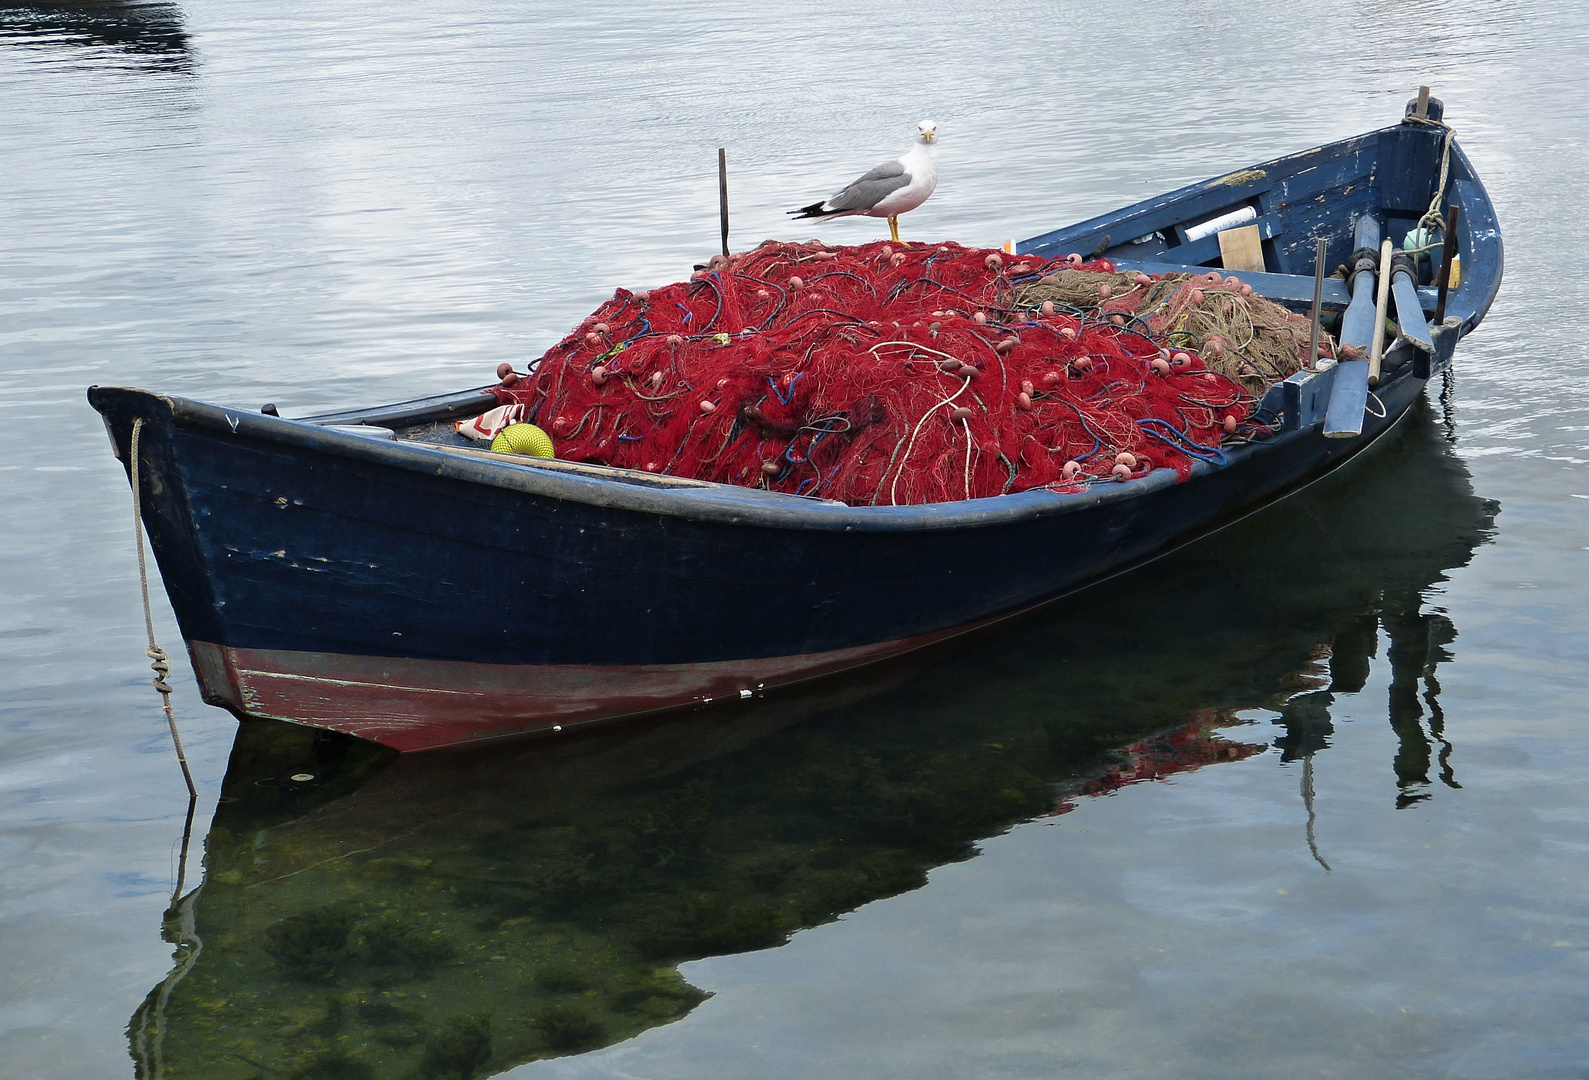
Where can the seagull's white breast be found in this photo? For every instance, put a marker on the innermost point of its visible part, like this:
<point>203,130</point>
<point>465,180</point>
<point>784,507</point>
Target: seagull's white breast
<point>921,165</point>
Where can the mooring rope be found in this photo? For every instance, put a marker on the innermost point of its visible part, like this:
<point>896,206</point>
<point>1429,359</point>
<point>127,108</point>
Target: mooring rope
<point>157,656</point>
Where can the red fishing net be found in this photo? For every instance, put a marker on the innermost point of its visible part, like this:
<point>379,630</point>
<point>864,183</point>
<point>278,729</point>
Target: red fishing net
<point>884,375</point>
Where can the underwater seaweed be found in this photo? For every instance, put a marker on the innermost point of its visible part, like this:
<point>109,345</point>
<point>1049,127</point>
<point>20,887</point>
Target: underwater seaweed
<point>315,945</point>
<point>458,1050</point>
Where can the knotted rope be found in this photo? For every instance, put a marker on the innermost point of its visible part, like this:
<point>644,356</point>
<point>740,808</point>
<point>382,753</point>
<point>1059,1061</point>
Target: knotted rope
<point>157,656</point>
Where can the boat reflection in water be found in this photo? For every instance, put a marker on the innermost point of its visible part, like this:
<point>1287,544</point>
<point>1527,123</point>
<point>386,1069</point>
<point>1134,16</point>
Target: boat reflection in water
<point>455,914</point>
<point>122,34</point>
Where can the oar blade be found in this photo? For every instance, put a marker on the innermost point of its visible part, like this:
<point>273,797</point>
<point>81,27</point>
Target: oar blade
<point>1348,401</point>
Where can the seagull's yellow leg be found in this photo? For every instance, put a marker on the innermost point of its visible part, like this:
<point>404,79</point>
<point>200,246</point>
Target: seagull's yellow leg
<point>893,226</point>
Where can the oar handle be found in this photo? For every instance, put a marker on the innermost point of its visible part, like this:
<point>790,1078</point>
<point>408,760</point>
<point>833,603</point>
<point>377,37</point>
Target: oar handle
<point>1376,350</point>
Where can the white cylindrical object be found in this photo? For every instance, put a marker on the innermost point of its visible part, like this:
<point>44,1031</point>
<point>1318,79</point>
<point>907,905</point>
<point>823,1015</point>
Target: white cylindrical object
<point>1220,223</point>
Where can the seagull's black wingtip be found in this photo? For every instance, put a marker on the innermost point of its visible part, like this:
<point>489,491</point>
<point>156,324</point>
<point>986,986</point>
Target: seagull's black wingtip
<point>813,211</point>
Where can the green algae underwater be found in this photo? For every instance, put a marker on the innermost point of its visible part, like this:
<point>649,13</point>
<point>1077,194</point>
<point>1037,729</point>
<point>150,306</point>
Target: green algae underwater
<point>454,914</point>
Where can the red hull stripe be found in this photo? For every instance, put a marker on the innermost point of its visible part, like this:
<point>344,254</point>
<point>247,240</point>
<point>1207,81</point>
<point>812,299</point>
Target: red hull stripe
<point>425,704</point>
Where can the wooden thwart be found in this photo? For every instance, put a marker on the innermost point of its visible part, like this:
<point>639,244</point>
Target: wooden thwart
<point>1242,249</point>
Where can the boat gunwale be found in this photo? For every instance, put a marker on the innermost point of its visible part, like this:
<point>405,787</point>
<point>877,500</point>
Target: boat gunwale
<point>704,501</point>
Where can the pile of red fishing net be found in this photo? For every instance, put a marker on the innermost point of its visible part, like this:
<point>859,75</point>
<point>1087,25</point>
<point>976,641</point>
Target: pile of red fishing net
<point>877,375</point>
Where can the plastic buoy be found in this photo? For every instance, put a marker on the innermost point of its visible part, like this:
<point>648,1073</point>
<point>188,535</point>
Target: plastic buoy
<point>526,439</point>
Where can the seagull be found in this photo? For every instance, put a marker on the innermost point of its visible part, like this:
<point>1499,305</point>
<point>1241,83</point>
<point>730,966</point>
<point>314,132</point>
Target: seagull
<point>888,190</point>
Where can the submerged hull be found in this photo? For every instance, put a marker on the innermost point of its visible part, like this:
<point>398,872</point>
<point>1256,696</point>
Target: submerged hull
<point>420,597</point>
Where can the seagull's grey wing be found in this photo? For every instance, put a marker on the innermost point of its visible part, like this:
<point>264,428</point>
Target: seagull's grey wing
<point>872,188</point>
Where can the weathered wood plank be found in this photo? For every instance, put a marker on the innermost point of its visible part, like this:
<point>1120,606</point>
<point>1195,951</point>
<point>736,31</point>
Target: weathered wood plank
<point>1241,248</point>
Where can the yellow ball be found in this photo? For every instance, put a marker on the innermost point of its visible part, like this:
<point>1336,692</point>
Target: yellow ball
<point>523,439</point>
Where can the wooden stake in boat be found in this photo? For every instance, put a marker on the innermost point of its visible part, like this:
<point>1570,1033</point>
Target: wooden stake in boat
<point>722,193</point>
<point>1319,246</point>
<point>1453,211</point>
<point>1376,350</point>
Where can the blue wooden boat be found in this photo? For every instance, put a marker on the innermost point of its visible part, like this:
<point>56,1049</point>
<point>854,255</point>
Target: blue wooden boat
<point>411,591</point>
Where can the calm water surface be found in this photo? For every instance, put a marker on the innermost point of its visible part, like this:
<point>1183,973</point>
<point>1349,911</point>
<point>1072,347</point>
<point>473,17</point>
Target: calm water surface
<point>1309,799</point>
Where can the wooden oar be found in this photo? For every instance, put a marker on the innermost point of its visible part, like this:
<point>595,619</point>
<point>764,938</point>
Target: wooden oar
<point>1409,312</point>
<point>1349,394</point>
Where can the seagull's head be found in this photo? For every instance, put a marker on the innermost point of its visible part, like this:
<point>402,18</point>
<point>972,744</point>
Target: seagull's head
<point>927,132</point>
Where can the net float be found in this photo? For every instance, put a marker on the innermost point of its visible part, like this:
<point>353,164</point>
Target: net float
<point>656,379</point>
<point>644,296</point>
<point>962,413</point>
<point>510,379</point>
<point>763,294</point>
<point>1216,347</point>
<point>708,408</point>
<point>1196,297</point>
<point>1071,469</point>
<point>593,339</point>
<point>1007,345</point>
<point>722,384</point>
<point>503,369</point>
<point>968,372</point>
<point>796,282</point>
<point>993,262</point>
<point>897,260</point>
<point>1213,278</point>
<point>1126,458</point>
<point>1245,290</point>
<point>1082,363</point>
<point>949,367</point>
<point>1073,258</point>
<point>1161,365</point>
<point>1118,320</point>
<point>1121,472</point>
<point>675,340</point>
<point>602,328</point>
<point>1020,268</point>
<point>1143,279</point>
<point>980,318</point>
<point>1181,358</point>
<point>1232,281</point>
<point>1027,387</point>
<point>1105,291</point>
<point>598,374</point>
<point>885,251</point>
<point>771,468</point>
<point>1024,400</point>
<point>1229,424</point>
<point>1068,333</point>
<point>1052,378</point>
<point>1048,309</point>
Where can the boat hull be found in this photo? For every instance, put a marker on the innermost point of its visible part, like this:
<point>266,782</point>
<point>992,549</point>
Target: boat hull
<point>419,598</point>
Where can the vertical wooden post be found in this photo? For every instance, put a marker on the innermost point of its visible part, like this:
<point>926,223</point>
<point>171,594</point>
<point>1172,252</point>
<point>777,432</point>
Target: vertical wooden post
<point>1319,246</point>
<point>722,193</point>
<point>1381,310</point>
<point>1453,211</point>
<point>1422,111</point>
